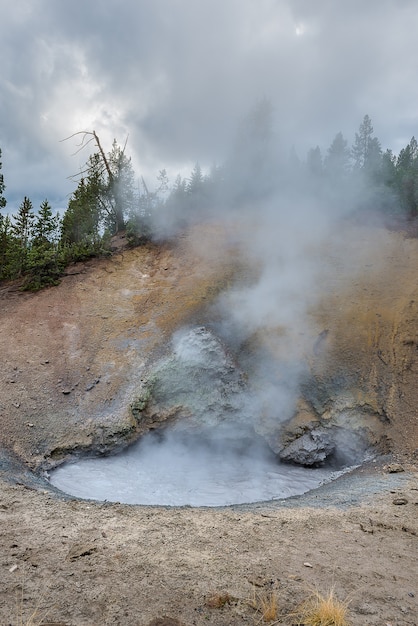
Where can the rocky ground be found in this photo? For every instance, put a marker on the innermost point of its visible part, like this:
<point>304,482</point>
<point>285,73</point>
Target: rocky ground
<point>72,359</point>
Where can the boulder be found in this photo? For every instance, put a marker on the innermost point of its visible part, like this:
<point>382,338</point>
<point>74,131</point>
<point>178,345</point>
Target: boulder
<point>312,448</point>
<point>198,381</point>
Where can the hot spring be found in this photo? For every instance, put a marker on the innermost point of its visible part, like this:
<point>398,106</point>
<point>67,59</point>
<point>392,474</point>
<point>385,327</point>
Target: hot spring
<point>178,469</point>
<point>212,454</point>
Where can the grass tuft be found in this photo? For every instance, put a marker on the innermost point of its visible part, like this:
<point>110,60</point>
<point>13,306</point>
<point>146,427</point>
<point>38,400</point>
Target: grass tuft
<point>266,604</point>
<point>323,610</point>
<point>38,615</point>
<point>269,607</point>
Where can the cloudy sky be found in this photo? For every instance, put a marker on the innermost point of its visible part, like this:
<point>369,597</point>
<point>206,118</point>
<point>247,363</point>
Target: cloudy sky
<point>177,76</point>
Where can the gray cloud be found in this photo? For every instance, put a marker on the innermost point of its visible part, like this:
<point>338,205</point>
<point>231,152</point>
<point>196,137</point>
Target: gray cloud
<point>179,75</point>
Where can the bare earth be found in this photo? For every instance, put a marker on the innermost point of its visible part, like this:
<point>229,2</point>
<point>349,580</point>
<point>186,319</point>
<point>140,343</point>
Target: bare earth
<point>70,359</point>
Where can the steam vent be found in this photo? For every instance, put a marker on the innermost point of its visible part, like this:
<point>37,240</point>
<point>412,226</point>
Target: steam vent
<point>158,377</point>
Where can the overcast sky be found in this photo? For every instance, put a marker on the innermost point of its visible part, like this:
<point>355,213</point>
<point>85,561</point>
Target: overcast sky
<point>177,76</point>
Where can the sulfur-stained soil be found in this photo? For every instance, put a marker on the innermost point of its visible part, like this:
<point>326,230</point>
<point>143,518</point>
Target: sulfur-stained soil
<point>71,358</point>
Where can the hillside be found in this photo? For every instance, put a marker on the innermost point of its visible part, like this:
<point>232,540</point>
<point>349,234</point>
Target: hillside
<point>72,360</point>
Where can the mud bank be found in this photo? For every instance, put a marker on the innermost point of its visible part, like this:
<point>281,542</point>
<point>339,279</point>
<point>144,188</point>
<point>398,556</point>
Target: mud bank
<point>84,563</point>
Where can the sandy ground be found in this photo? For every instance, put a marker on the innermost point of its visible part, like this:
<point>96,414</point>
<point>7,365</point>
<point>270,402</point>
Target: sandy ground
<point>96,563</point>
<point>65,561</point>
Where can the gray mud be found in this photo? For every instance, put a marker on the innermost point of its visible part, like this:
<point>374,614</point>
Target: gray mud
<point>357,486</point>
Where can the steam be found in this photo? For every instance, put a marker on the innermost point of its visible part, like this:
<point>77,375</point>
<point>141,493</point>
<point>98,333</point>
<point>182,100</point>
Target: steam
<point>178,468</point>
<point>291,226</point>
<point>289,231</point>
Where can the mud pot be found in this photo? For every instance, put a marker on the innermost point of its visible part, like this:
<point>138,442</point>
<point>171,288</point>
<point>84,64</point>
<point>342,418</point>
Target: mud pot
<point>104,362</point>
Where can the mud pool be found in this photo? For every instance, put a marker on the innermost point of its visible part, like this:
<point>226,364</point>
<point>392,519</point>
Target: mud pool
<point>211,455</point>
<point>181,469</point>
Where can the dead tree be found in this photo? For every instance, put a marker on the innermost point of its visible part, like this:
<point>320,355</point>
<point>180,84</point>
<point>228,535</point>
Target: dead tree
<point>112,188</point>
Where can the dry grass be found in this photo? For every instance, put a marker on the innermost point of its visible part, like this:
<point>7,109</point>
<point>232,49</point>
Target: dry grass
<point>36,618</point>
<point>38,615</point>
<point>323,610</point>
<point>269,607</point>
<point>266,604</point>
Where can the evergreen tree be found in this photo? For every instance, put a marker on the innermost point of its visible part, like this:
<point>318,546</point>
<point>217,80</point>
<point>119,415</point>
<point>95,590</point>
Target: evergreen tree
<point>163,182</point>
<point>196,181</point>
<point>337,160</point>
<point>178,195</point>
<point>179,190</point>
<point>118,197</point>
<point>44,266</point>
<point>6,248</point>
<point>366,151</point>
<point>22,232</point>
<point>406,172</point>
<point>388,168</point>
<point>139,224</point>
<point>111,178</point>
<point>314,162</point>
<point>2,187</point>
<point>45,227</point>
<point>81,220</point>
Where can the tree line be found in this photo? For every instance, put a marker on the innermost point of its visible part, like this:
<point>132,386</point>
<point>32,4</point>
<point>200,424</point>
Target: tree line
<point>108,199</point>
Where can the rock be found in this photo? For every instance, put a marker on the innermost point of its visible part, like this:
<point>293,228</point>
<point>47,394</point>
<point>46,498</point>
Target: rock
<point>91,385</point>
<point>393,468</point>
<point>400,501</point>
<point>198,381</point>
<point>365,609</point>
<point>312,448</point>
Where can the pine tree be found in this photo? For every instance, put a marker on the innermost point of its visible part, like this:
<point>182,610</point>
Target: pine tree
<point>45,227</point>
<point>2,187</point>
<point>4,229</point>
<point>22,232</point>
<point>196,181</point>
<point>389,168</point>
<point>163,182</point>
<point>44,266</point>
<point>178,196</point>
<point>407,177</point>
<point>81,220</point>
<point>6,248</point>
<point>111,178</point>
<point>118,197</point>
<point>179,190</point>
<point>337,160</point>
<point>366,151</point>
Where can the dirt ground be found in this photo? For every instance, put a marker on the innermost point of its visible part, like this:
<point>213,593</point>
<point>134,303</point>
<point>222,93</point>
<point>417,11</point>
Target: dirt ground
<point>68,354</point>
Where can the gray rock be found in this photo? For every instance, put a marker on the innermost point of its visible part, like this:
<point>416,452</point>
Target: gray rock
<point>312,448</point>
<point>199,381</point>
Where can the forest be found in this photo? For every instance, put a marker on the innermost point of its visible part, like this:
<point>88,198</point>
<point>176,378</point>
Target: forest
<point>36,245</point>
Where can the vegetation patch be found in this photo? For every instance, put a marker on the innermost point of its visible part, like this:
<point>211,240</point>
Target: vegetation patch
<point>323,610</point>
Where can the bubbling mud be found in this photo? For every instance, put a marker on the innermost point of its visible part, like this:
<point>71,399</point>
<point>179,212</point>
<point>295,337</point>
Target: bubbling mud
<point>196,469</point>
